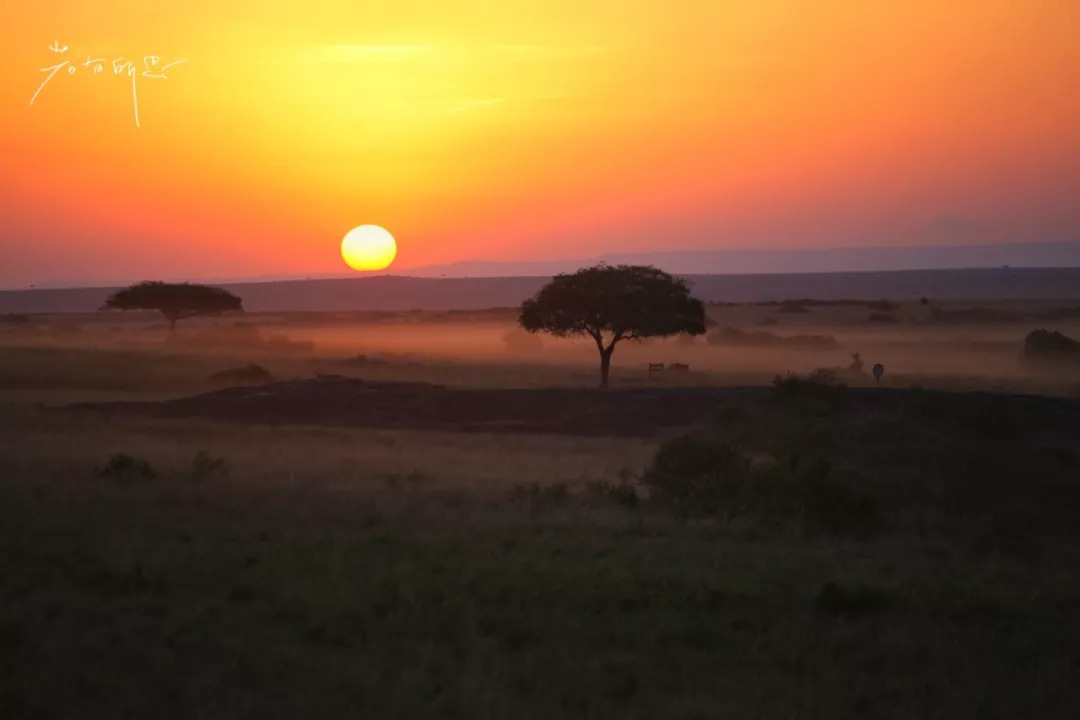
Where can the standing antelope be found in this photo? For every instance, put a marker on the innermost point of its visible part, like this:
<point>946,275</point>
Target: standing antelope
<point>879,370</point>
<point>856,365</point>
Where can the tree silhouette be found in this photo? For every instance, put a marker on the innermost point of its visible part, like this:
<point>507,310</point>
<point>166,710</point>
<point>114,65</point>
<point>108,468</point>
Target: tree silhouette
<point>175,301</point>
<point>614,303</point>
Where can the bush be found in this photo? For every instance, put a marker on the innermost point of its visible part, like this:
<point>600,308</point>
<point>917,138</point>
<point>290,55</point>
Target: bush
<point>881,318</point>
<point>1047,345</point>
<point>126,469</point>
<point>821,389</point>
<point>696,475</point>
<point>246,375</point>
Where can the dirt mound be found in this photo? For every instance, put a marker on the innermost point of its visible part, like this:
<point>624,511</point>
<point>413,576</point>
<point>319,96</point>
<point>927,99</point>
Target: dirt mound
<point>335,400</point>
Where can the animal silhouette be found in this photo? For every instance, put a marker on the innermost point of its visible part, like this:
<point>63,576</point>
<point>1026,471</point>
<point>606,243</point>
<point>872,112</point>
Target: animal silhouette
<point>879,370</point>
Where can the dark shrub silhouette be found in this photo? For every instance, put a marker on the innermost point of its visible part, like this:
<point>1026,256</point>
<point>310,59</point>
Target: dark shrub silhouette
<point>246,375</point>
<point>614,303</point>
<point>821,385</point>
<point>127,469</point>
<point>175,301</point>
<point>697,475</point>
<point>702,475</point>
<point>1050,345</point>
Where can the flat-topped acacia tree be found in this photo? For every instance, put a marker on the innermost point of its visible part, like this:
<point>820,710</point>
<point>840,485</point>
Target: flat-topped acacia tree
<point>175,301</point>
<point>612,303</point>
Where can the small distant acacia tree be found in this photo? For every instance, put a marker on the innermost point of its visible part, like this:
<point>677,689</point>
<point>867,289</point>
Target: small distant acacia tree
<point>611,303</point>
<point>175,301</point>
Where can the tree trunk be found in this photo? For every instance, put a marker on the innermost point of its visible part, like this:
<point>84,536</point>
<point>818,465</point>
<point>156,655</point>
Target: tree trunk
<point>605,366</point>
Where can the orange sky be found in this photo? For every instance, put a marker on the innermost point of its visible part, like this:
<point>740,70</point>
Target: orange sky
<point>528,129</point>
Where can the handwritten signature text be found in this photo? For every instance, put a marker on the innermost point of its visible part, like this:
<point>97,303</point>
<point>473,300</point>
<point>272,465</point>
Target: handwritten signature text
<point>152,67</point>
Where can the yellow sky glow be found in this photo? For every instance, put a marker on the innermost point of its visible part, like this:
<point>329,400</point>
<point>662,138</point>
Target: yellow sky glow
<point>540,128</point>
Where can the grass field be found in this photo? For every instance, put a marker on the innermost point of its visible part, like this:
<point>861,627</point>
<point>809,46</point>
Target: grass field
<point>808,552</point>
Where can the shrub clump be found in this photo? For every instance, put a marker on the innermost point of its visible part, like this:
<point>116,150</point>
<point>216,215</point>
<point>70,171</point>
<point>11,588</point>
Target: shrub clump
<point>699,475</point>
<point>822,387</point>
<point>1050,345</point>
<point>246,375</point>
<point>127,469</point>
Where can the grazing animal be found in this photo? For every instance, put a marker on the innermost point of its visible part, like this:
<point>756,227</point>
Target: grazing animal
<point>656,369</point>
<point>679,368</point>
<point>856,366</point>
<point>879,370</point>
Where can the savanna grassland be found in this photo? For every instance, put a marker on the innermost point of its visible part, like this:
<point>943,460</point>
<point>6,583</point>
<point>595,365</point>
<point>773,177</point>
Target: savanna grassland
<point>817,547</point>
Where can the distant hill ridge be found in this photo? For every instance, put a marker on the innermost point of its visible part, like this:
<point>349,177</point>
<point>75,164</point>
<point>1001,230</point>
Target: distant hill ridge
<point>408,293</point>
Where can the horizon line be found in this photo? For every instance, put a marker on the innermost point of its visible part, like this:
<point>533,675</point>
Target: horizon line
<point>357,276</point>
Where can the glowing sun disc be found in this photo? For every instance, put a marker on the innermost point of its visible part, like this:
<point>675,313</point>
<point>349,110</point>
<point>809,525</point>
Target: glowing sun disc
<point>368,247</point>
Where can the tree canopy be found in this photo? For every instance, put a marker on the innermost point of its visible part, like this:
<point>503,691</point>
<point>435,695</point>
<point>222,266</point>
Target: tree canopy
<point>175,301</point>
<point>611,303</point>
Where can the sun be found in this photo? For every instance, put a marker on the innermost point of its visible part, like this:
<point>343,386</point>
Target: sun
<point>368,247</point>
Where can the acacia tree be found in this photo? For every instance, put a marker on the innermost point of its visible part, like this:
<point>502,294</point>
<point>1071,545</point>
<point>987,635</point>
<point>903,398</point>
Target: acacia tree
<point>614,303</point>
<point>175,301</point>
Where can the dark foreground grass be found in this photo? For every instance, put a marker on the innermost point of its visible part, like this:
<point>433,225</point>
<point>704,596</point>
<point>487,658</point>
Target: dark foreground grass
<point>810,553</point>
<point>176,600</point>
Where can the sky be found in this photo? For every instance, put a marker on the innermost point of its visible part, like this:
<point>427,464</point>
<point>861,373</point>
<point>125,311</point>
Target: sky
<point>524,130</point>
